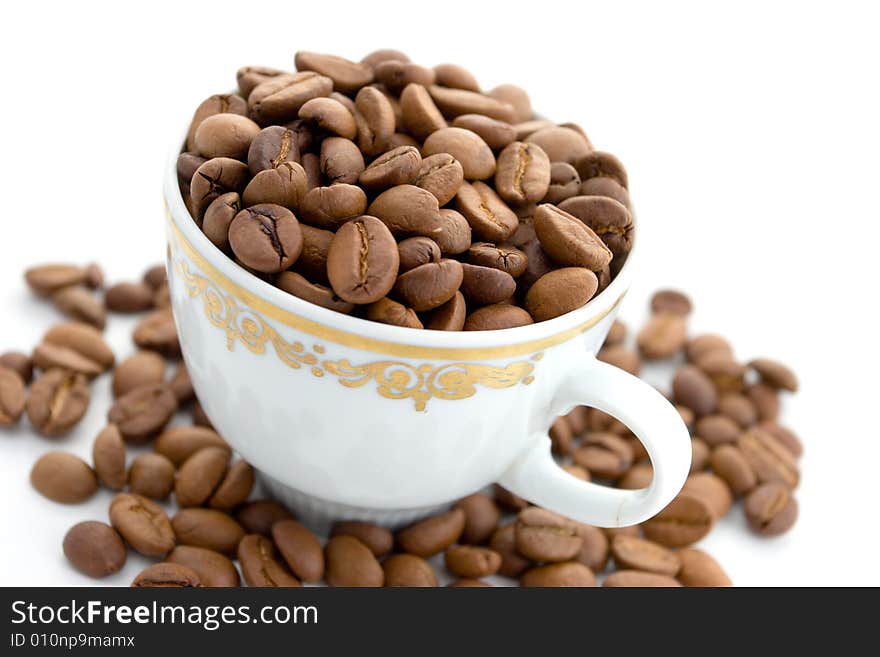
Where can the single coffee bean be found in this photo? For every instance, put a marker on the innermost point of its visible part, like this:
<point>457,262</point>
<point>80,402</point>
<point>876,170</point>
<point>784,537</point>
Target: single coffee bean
<point>151,475</point>
<point>108,458</point>
<point>430,285</point>
<point>312,261</point>
<point>213,105</point>
<point>399,166</point>
<point>78,303</point>
<point>142,523</point>
<point>702,345</point>
<point>481,518</point>
<point>378,539</point>
<point>142,413</point>
<point>613,532</point>
<point>207,528</point>
<point>770,460</point>
<point>180,442</point>
<point>167,575</point>
<point>271,148</point>
<point>12,397</point>
<point>638,476</point>
<point>608,187</point>
<point>63,477</point>
<point>248,77</point>
<point>19,363</point>
<point>450,316</point>
<point>489,218</point>
<point>775,374</point>
<point>496,134</point>
<point>376,121</point>
<point>599,163</point>
<point>225,135</point>
<point>82,339</point>
<point>351,563</point>
<point>784,436</point>
<point>561,437</point>
<point>396,75</point>
<point>212,568</point>
<point>157,332</point>
<point>260,565</point>
<point>45,280</point>
<point>94,548</point>
<point>408,570</point>
<point>234,488</point>
<point>56,401</point>
<point>217,176</point>
<point>181,385</point>
<point>496,317</point>
<point>738,408</point>
<point>330,115</point>
<point>48,356</point>
<point>432,535</point>
<point>258,516</point>
<point>300,548</point>
<point>362,261</point>
<point>717,429</point>
<point>420,115</point>
<point>504,257</point>
<point>692,388</point>
<point>663,336</point>
<point>639,554</point>
<point>468,148</point>
<point>560,291</point>
<point>142,368</point>
<point>523,174</point>
<point>605,455</point>
<point>542,535</point>
<point>671,301</point>
<point>416,251</point>
<point>471,561</point>
<point>454,235</point>
<point>538,264</point>
<point>315,293</point>
<point>683,522</point>
<point>594,550</point>
<point>621,356</point>
<point>441,175</point>
<point>331,207</point>
<point>568,240</point>
<point>187,163</point>
<point>565,574</point>
<point>700,569</point>
<point>455,102</point>
<point>384,55</point>
<point>765,400</point>
<point>486,285</point>
<point>771,509</point>
<point>266,237</point>
<point>388,311</point>
<point>347,76</point>
<point>456,77</point>
<point>278,99</point>
<point>341,160</point>
<point>516,97</point>
<point>729,463</point>
<point>699,454</point>
<point>712,489</point>
<point>639,579</point>
<point>503,542</point>
<point>564,183</point>
<point>285,185</point>
<point>725,373</point>
<point>407,210</point>
<point>561,144</point>
<point>200,475</point>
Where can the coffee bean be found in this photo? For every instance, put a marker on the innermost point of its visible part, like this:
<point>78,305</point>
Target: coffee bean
<point>388,311</point>
<point>258,516</point>
<point>455,102</point>
<point>638,476</point>
<point>142,523</point>
<point>692,388</point>
<point>278,99</point>
<point>507,258</point>
<point>211,106</point>
<point>486,285</point>
<point>12,397</point>
<point>351,563</point>
<point>234,488</point>
<point>286,185</point>
<point>545,536</point>
<point>341,161</point>
<point>384,55</point>
<point>738,408</point>
<point>300,548</point>
<point>19,363</point>
<point>45,280</point>
<point>430,285</point>
<point>432,535</point>
<point>729,463</point>
<point>456,77</point>
<point>775,374</point>
<point>598,164</point>
<point>616,334</point>
<point>771,509</point>
<point>639,579</point>
<point>516,97</point>
<point>330,115</point>
<point>200,475</point>
<point>489,218</point>
<point>416,251</point>
<point>420,115</point>
<point>639,554</point>
<point>199,417</point>
<point>671,301</point>
<point>180,442</point>
<point>407,210</point>
<point>523,174</point>
<point>157,332</point>
<point>78,303</point>
<point>620,356</point>
<point>260,565</point>
<point>396,75</point>
<point>143,412</point>
<point>564,183</point>
<point>725,373</point>
<point>594,549</point>
<point>702,345</point>
<point>606,187</point>
<point>48,356</point>
<point>699,454</point>
<point>378,539</point>
<point>471,561</point>
<point>207,528</point>
<point>376,121</point>
<point>441,175</point>
<point>94,548</point>
<point>663,336</point>
<point>769,459</point>
<point>561,144</point>
<point>151,475</point>
<point>565,574</point>
<point>450,316</point>
<point>496,134</point>
<point>784,436</point>
<point>683,522</point>
<point>214,178</point>
<point>700,569</point>
<point>272,147</point>
<point>266,237</point>
<point>347,76</point>
<point>212,568</point>
<point>569,241</point>
<point>503,542</point>
<point>614,532</point>
<point>248,77</point>
<point>225,135</point>
<point>362,261</point>
<point>142,368</point>
<point>312,261</point>
<point>454,235</point>
<point>408,570</point>
<point>63,477</point>
<point>468,148</point>
<point>181,385</point>
<point>481,518</point>
<point>717,429</point>
<point>80,339</point>
<point>765,400</point>
<point>56,402</point>
<point>713,490</point>
<point>605,455</point>
<point>108,457</point>
<point>396,167</point>
<point>496,317</point>
<point>315,293</point>
<point>331,207</point>
<point>167,575</point>
<point>687,415</point>
<point>560,291</point>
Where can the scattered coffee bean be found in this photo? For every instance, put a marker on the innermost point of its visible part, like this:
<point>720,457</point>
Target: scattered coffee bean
<point>692,388</point>
<point>663,336</point>
<point>408,570</point>
<point>200,475</point>
<point>207,528</point>
<point>545,536</point>
<point>180,442</point>
<point>234,488</point>
<point>700,569</point>
<point>300,548</point>
<point>19,363</point>
<point>157,332</point>
<point>141,369</point>
<point>77,302</point>
<point>57,401</point>
<point>775,374</point>
<point>12,397</point>
<point>482,516</point>
<point>351,563</point>
<point>712,490</point>
<point>471,561</point>
<point>258,516</point>
<point>639,554</point>
<point>94,548</point>
<point>565,574</point>
<point>108,458</point>
<point>769,459</point>
<point>260,565</point>
<point>433,535</point>
<point>683,522</point>
<point>142,413</point>
<point>639,579</point>
<point>64,478</point>
<point>212,568</point>
<point>378,539</point>
<point>771,509</point>
<point>717,429</point>
<point>142,523</point>
<point>151,475</point>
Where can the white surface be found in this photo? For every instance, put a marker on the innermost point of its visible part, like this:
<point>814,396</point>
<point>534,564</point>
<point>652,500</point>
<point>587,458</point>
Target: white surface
<point>750,134</point>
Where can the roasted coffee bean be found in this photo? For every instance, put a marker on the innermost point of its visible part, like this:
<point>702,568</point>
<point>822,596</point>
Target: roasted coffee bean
<point>640,554</point>
<point>725,373</point>
<point>454,235</point>
<point>606,187</point>
<point>775,374</point>
<point>620,356</point>
<point>604,455</point>
<point>151,475</point>
<point>181,385</point>
<point>376,121</point>
<point>455,102</point>
<point>607,218</point>
<point>486,285</point>
<point>639,579</point>
<point>207,528</point>
<point>481,518</point>
<point>143,412</point>
<point>456,77</point>
<point>285,185</point>
<point>784,436</point>
<point>315,293</point>
<point>729,463</point>
<point>234,488</point>
<point>516,97</point>
<point>396,75</point>
<point>157,332</point>
<point>765,399</point>
<point>717,429</point>
<point>430,285</point>
<point>260,565</point>
<point>142,523</point>
<point>248,77</point>
<point>300,548</point>
<point>671,301</point>
<point>699,454</point>
<point>561,438</point>
<point>48,356</point>
<point>441,175</point>
<point>496,134</point>
<point>347,76</point>
<point>561,144</point>
<point>770,460</point>
<point>187,164</point>
<point>577,419</point>
<point>568,241</point>
<point>564,183</point>
<point>351,563</point>
<point>712,490</point>
<point>408,570</point>
<point>702,345</point>
<point>408,210</point>
<point>700,569</point>
<point>638,476</point>
<point>214,178</point>
<point>167,575</point>
<point>471,561</point>
<point>19,363</point>
<point>378,539</point>
<point>142,368</point>
<point>225,135</point>
<point>771,509</point>
<point>468,148</point>
<point>79,339</point>
<point>78,303</point>
<point>278,99</point>
<point>362,261</point>
<point>417,251</point>
<point>399,166</point>
<point>496,317</point>
<point>420,115</point>
<point>738,408</point>
<point>683,522</point>
<point>312,261</point>
<point>450,316</point>
<point>12,397</point>
<point>594,550</point>
<point>565,574</point>
<point>560,291</point>
<point>384,55</point>
<point>108,458</point>
<point>542,535</point>
<point>663,336</point>
<point>341,160</point>
<point>613,532</point>
<point>599,163</point>
<point>523,173</point>
<point>211,106</point>
<point>258,516</point>
<point>331,207</point>
<point>181,442</point>
<point>687,415</point>
<point>64,478</point>
<point>45,280</point>
<point>212,568</point>
<point>331,116</point>
<point>56,401</point>
<point>200,475</point>
<point>489,218</point>
<point>503,542</point>
<point>271,148</point>
<point>504,257</point>
<point>432,535</point>
<point>94,548</point>
<point>266,237</point>
<point>692,388</point>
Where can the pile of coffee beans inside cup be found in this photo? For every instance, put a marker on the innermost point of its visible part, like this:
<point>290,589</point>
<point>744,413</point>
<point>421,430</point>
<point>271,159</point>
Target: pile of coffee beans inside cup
<point>740,450</point>
<point>404,194</point>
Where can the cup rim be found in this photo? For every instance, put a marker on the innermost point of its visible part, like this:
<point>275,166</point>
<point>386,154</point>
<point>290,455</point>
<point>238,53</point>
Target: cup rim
<point>375,336</point>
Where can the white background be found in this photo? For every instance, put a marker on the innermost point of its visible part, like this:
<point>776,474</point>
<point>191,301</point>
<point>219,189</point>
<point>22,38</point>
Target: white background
<point>750,133</point>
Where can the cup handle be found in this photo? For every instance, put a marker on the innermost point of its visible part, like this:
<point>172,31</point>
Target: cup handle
<point>536,477</point>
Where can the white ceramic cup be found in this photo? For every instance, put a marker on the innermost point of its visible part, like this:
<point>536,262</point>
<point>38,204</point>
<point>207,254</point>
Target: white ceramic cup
<point>351,419</point>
